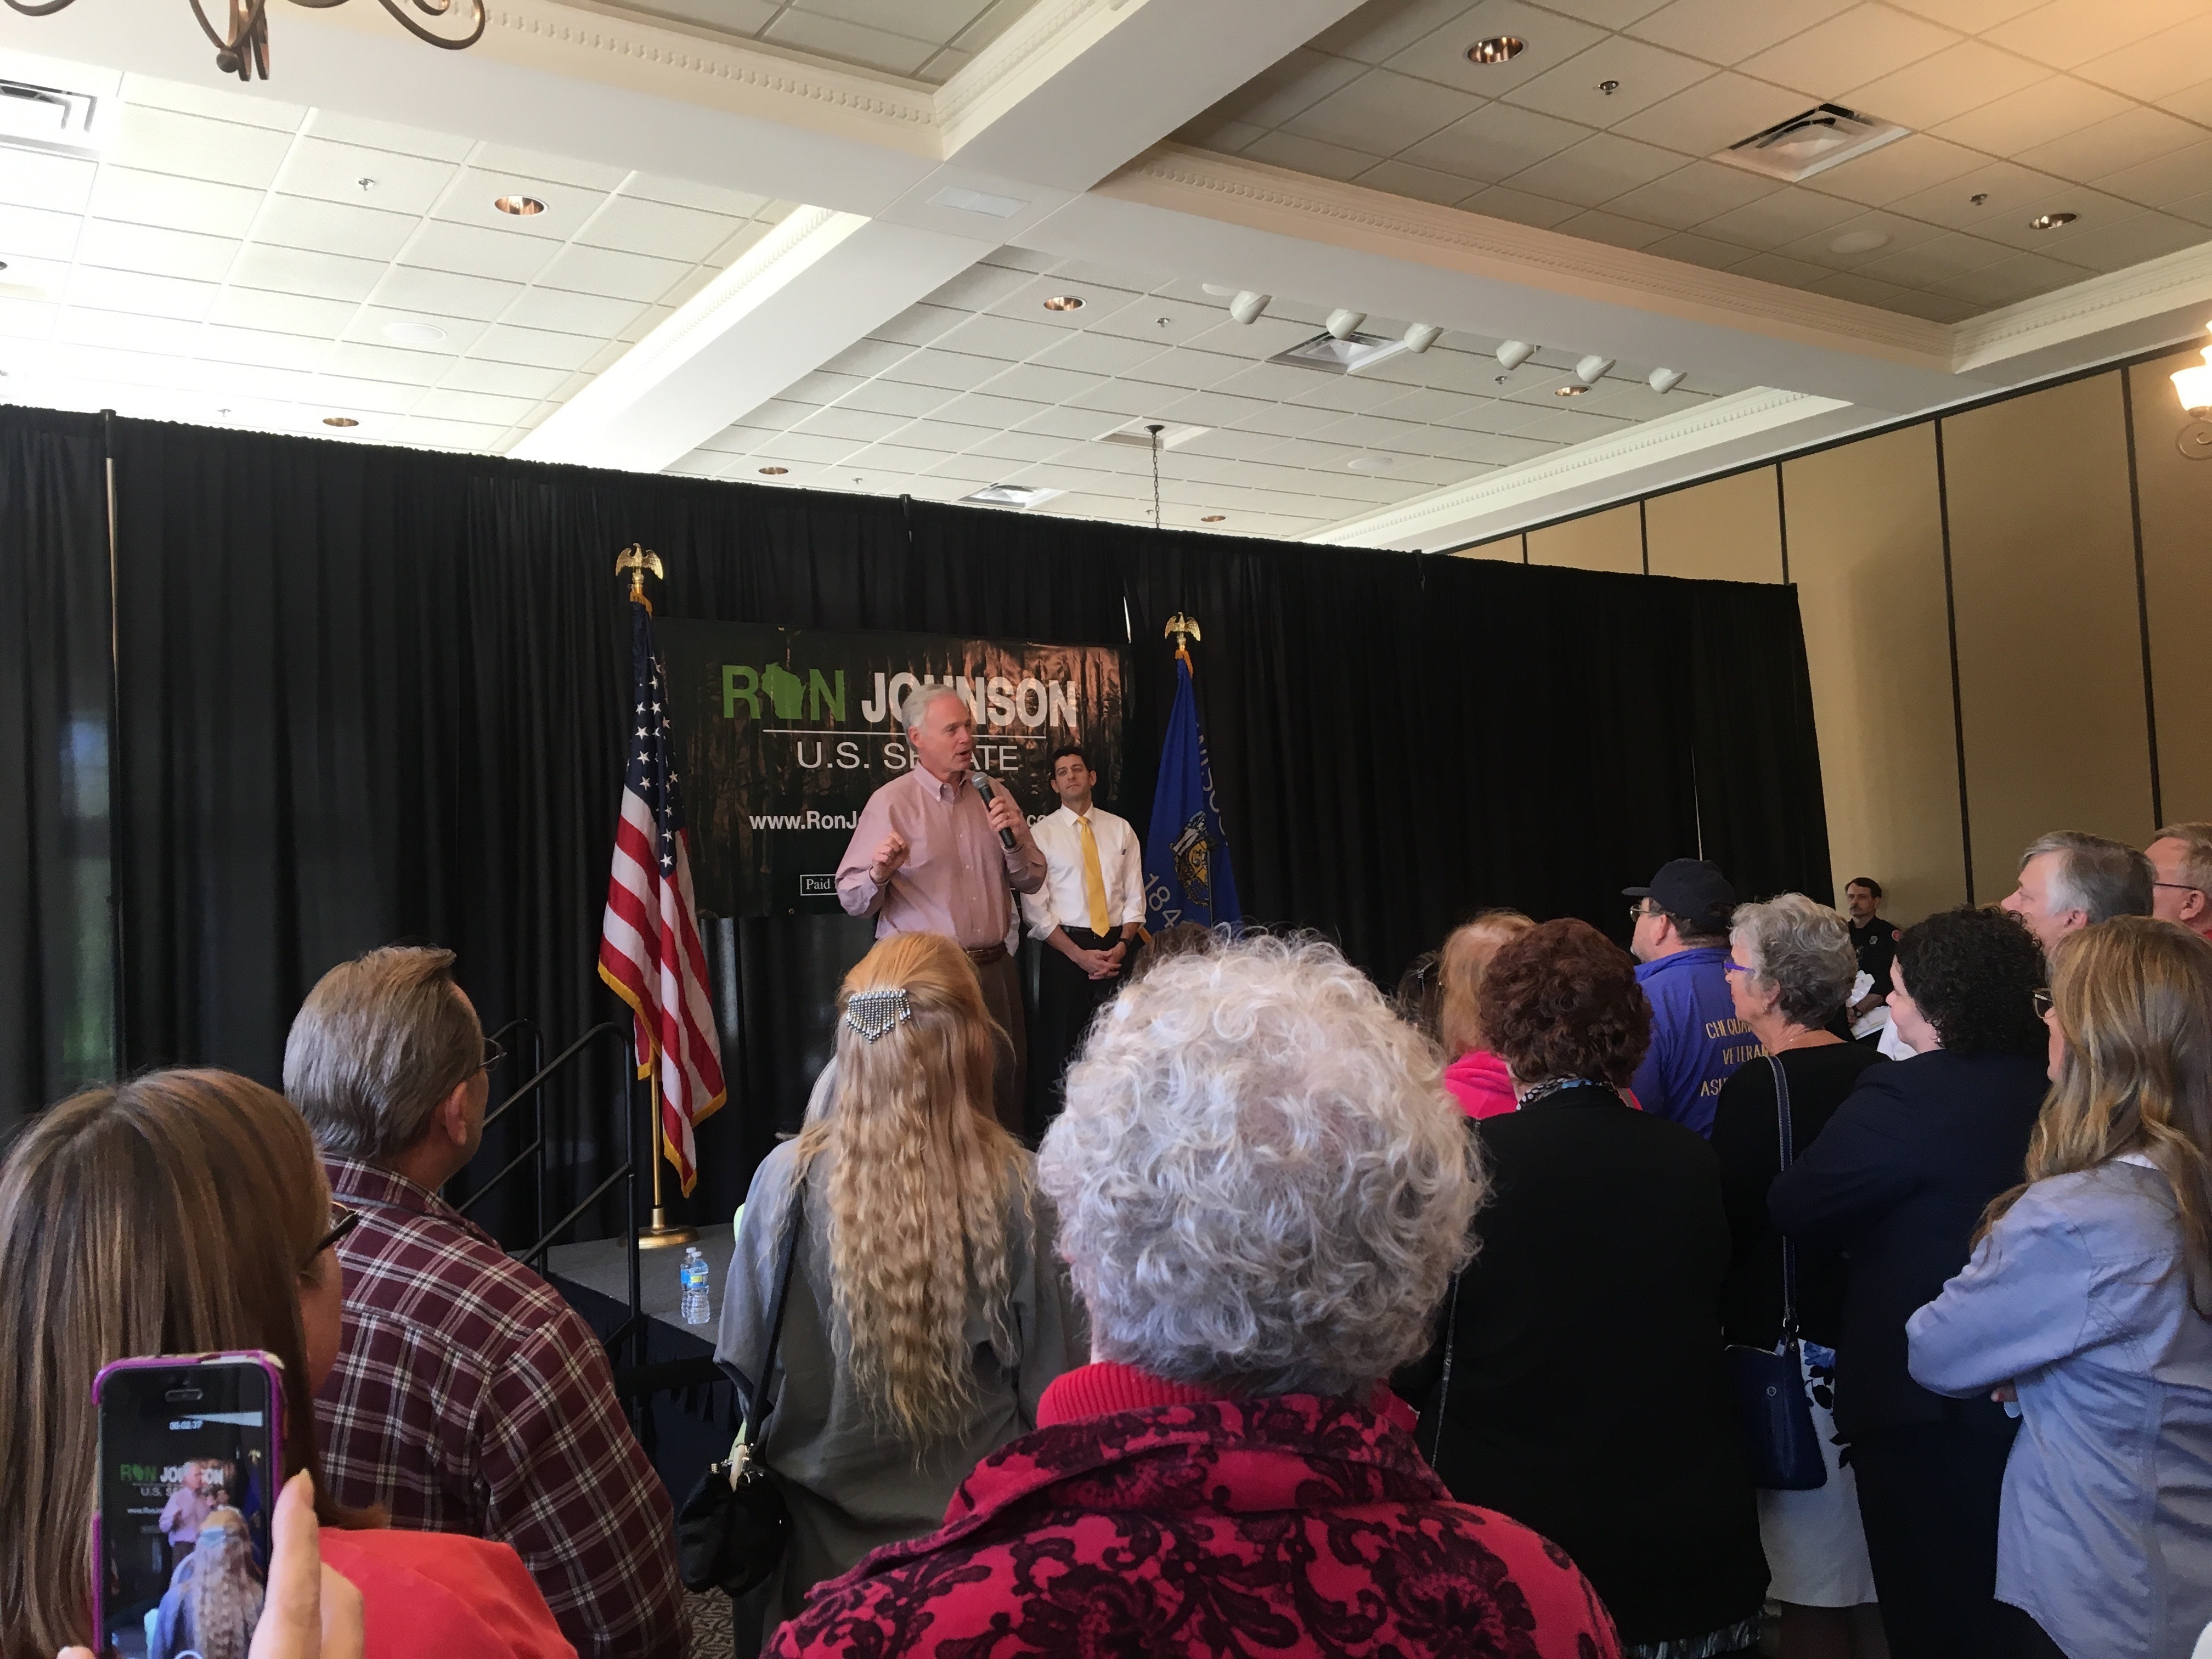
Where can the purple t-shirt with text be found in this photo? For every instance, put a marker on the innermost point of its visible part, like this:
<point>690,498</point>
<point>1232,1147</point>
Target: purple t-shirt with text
<point>1697,1041</point>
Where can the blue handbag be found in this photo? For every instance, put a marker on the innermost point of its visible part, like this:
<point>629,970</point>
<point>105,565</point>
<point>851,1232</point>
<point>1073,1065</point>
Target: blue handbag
<point>1769,1385</point>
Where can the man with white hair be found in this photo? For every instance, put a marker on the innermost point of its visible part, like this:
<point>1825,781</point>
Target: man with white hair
<point>2181,875</point>
<point>2069,880</point>
<point>933,854</point>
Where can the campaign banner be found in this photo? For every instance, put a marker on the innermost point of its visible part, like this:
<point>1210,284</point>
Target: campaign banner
<point>785,732</point>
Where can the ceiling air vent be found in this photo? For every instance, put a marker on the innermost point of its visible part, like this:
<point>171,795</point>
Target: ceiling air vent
<point>1331,355</point>
<point>45,118</point>
<point>1170,432</point>
<point>1006,494</point>
<point>1811,143</point>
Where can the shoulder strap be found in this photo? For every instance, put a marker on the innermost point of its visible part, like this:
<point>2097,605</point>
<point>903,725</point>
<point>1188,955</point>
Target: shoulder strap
<point>794,1234</point>
<point>1785,1138</point>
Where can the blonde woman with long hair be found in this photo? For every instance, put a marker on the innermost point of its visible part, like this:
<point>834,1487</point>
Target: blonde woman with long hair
<point>2088,1302</point>
<point>928,1310</point>
<point>214,1601</point>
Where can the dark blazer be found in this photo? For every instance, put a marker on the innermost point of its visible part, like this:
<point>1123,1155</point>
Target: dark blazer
<point>1587,1396</point>
<point>1898,1180</point>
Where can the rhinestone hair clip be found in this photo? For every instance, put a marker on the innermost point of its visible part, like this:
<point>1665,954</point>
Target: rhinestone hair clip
<point>871,1013</point>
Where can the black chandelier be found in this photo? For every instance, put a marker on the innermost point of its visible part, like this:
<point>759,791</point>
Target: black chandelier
<point>244,49</point>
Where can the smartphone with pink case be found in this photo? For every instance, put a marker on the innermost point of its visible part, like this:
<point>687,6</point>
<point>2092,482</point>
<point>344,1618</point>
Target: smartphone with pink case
<point>192,1456</point>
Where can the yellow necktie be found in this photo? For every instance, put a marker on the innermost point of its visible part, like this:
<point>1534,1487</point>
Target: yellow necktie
<point>1094,878</point>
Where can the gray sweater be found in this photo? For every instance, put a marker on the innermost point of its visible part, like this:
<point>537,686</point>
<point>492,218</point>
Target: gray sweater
<point>853,1483</point>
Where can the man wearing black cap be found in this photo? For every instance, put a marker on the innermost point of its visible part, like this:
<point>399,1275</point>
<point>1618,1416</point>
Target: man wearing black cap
<point>1680,946</point>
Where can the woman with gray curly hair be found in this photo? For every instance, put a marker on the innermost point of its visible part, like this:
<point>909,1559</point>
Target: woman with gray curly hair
<point>1262,1192</point>
<point>1790,968</point>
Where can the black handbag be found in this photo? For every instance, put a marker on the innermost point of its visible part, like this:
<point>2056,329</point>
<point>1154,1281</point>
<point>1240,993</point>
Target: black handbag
<point>1769,1387</point>
<point>733,1529</point>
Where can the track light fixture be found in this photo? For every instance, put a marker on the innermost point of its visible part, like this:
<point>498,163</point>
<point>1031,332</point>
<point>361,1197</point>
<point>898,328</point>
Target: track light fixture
<point>1421,335</point>
<point>1247,306</point>
<point>1514,353</point>
<point>1664,380</point>
<point>1592,368</point>
<point>1343,323</point>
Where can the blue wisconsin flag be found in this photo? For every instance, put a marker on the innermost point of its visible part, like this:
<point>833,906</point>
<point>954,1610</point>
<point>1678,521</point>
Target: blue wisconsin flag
<point>1186,872</point>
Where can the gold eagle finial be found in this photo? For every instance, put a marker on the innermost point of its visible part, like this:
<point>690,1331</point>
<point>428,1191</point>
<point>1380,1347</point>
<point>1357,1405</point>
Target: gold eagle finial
<point>1182,630</point>
<point>637,561</point>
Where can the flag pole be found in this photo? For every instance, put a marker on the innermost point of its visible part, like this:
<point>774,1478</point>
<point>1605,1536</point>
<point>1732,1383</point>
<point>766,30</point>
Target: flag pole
<point>660,1234</point>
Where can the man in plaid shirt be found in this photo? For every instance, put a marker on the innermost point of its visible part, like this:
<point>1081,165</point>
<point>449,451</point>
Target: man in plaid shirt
<point>468,1395</point>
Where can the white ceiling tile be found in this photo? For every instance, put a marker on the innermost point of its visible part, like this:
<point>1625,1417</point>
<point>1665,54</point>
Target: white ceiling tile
<point>683,192</point>
<point>247,107</point>
<point>510,379</point>
<point>1099,354</point>
<point>1782,217</point>
<point>2126,140</point>
<point>857,424</point>
<point>398,184</point>
<point>541,348</point>
<point>1600,168</point>
<point>1499,202</point>
<point>465,435</point>
<point>2164,63</point>
<point>1420,183</point>
<point>339,128</point>
<point>361,232</point>
<point>918,324</point>
<point>953,370</point>
<point>1692,194</point>
<point>658,229</point>
<point>543,167</point>
<point>2035,115</point>
<point>136,291</point>
<point>1498,140</point>
<point>2020,277</point>
<point>2146,236</point>
<point>1713,115</point>
<point>151,248</point>
<point>353,394</point>
<point>2165,179</point>
<point>1287,150</point>
<point>126,330</point>
<point>978,408</point>
<point>1008,338</point>
<point>1288,86</point>
<point>2067,32</point>
<point>451,404</point>
<point>1952,254</point>
<point>302,270</point>
<point>1641,75</point>
<point>2008,191</point>
<point>1040,383</point>
<point>468,201</point>
<point>2190,103</point>
<point>317,319</point>
<point>1727,31</point>
<point>1441,55</point>
<point>1848,49</point>
<point>1159,321</point>
<point>1082,425</point>
<point>151,198</point>
<point>1382,112</point>
<point>787,447</point>
<point>33,233</point>
<point>851,43</point>
<point>1613,228</point>
<point>571,313</point>
<point>901,398</point>
<point>607,272</point>
<point>32,178</point>
<point>477,251</point>
<point>1945,85</point>
<point>195,147</point>
<point>1913,163</point>
<point>460,332</point>
<point>822,387</point>
<point>1972,15</point>
<point>868,357</point>
<point>363,361</point>
<point>981,287</point>
<point>1381,28</point>
<point>1780,269</point>
<point>446,293</point>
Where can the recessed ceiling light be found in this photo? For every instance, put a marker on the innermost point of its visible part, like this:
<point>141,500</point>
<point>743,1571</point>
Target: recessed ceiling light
<point>1371,463</point>
<point>414,334</point>
<point>1495,49</point>
<point>2051,221</point>
<point>340,420</point>
<point>774,471</point>
<point>1214,517</point>
<point>522,206</point>
<point>1859,241</point>
<point>1064,302</point>
<point>1608,87</point>
<point>1001,495</point>
<point>1571,392</point>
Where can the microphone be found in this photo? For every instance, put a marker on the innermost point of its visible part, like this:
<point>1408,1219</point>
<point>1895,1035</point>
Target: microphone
<point>981,780</point>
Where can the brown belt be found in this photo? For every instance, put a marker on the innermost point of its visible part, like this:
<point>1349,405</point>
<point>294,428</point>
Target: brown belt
<point>983,955</point>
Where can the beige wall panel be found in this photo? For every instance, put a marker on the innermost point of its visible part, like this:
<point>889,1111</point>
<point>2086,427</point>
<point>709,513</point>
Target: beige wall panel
<point>1729,530</point>
<point>2043,576</point>
<point>1611,540</point>
<point>2176,493</point>
<point>1508,548</point>
<point>1866,550</point>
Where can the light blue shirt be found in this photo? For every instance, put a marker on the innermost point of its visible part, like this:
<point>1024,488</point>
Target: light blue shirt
<point>2079,1298</point>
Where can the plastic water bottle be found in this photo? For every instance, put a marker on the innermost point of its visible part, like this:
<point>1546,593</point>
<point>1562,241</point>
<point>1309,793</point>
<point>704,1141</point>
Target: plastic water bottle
<point>692,1275</point>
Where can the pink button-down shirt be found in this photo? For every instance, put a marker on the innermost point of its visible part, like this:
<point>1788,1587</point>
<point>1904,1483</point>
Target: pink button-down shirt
<point>955,878</point>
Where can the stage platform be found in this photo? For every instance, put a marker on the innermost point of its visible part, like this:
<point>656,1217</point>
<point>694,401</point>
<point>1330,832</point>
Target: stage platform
<point>602,1265</point>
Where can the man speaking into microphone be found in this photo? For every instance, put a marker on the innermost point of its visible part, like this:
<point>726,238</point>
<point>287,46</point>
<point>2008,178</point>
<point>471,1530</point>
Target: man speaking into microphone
<point>930,856</point>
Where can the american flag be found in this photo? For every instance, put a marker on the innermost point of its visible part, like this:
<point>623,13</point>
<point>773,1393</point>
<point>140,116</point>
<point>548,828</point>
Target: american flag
<point>649,951</point>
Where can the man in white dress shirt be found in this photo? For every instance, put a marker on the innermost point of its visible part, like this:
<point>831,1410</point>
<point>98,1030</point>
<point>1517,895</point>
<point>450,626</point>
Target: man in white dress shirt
<point>1087,914</point>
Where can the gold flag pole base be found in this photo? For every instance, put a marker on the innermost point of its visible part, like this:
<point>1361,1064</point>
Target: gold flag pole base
<point>660,1234</point>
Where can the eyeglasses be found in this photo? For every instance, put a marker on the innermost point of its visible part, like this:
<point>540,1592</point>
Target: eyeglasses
<point>1640,910</point>
<point>343,1221</point>
<point>2180,886</point>
<point>2040,997</point>
<point>493,1054</point>
<point>1739,968</point>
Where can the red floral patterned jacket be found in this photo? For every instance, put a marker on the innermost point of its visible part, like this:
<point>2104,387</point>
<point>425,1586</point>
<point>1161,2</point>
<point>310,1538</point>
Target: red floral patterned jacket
<point>1142,1517</point>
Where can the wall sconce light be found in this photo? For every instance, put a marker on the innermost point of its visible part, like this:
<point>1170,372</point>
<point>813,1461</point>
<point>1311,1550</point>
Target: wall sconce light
<point>2193,386</point>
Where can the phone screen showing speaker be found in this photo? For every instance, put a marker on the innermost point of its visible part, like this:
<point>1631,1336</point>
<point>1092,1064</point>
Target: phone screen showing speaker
<point>187,1482</point>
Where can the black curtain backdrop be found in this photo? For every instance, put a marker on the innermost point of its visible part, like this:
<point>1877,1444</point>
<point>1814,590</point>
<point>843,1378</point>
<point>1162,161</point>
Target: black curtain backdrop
<point>370,695</point>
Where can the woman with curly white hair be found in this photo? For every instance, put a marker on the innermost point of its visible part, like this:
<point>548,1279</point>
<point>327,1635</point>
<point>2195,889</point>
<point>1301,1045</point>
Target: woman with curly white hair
<point>1263,1191</point>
